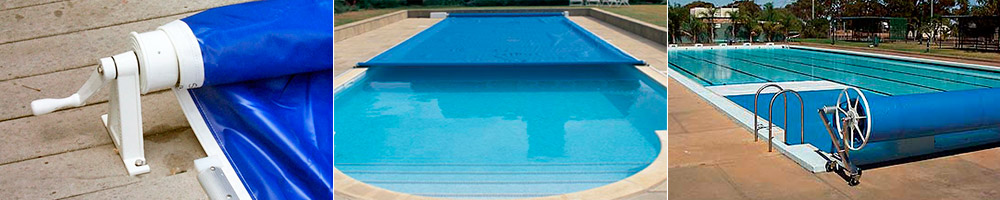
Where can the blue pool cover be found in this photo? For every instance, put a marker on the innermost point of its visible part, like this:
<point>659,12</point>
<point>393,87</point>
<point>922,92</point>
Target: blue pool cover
<point>502,39</point>
<point>268,94</point>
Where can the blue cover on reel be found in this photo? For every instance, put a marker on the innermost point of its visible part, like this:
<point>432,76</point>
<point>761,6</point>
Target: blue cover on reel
<point>267,96</point>
<point>916,115</point>
<point>264,39</point>
<point>503,39</point>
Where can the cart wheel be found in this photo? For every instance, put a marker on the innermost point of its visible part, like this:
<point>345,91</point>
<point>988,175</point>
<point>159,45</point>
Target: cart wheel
<point>855,180</point>
<point>831,166</point>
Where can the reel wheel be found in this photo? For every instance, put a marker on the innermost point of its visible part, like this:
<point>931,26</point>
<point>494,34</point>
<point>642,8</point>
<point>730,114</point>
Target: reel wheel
<point>852,118</point>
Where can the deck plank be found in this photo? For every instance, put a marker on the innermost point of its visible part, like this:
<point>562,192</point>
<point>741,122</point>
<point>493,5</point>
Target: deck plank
<point>77,15</point>
<point>76,129</point>
<point>71,51</point>
<point>20,92</point>
<point>178,186</point>
<point>100,168</point>
<point>15,4</point>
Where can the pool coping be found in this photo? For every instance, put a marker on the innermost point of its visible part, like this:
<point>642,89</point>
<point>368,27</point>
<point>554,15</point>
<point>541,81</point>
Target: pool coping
<point>653,175</point>
<point>805,155</point>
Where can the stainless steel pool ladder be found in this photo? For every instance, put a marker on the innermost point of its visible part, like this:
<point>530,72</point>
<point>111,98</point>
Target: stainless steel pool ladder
<point>770,116</point>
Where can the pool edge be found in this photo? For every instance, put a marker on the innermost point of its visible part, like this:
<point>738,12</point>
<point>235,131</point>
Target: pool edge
<point>804,154</point>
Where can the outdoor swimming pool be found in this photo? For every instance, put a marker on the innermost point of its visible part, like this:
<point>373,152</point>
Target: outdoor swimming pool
<point>497,132</point>
<point>819,75</point>
<point>877,75</point>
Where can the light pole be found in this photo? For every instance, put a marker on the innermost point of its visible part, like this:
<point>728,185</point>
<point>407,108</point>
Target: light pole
<point>933,29</point>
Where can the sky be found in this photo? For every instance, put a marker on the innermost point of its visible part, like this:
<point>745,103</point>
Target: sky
<point>777,3</point>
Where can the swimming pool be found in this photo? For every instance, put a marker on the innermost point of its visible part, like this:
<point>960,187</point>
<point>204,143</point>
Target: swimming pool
<point>472,108</point>
<point>877,75</point>
<point>497,132</point>
<point>729,77</point>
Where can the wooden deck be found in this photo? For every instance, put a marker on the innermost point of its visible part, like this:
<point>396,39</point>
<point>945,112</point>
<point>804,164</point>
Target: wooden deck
<point>47,49</point>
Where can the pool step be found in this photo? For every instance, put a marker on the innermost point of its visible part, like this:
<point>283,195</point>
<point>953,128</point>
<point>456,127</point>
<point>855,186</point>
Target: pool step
<point>541,167</point>
<point>485,180</point>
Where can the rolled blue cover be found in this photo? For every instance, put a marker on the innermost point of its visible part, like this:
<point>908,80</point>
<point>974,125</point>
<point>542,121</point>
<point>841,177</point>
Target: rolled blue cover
<point>916,115</point>
<point>267,95</point>
<point>264,39</point>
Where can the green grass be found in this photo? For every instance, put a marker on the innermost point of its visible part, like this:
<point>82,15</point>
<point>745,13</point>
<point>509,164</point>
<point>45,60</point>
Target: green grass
<point>912,47</point>
<point>654,14</point>
<point>348,17</point>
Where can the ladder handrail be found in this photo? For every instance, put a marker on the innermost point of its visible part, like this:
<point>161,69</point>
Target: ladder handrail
<point>770,117</point>
<point>757,127</point>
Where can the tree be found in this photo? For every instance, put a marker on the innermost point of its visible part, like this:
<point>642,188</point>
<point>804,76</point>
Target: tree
<point>749,24</point>
<point>734,17</point>
<point>746,6</point>
<point>697,4</point>
<point>864,8</point>
<point>768,15</point>
<point>987,8</point>
<point>710,15</point>
<point>693,28</point>
<point>676,16</point>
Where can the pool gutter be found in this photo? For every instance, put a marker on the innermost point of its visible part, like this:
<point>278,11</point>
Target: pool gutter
<point>648,178</point>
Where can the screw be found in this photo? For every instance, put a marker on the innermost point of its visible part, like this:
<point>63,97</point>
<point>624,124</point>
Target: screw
<point>212,168</point>
<point>100,69</point>
<point>139,162</point>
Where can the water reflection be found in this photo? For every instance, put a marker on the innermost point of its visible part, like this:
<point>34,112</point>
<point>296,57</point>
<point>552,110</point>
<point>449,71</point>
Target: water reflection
<point>548,114</point>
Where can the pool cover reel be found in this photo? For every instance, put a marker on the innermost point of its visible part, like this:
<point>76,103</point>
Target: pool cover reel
<point>259,72</point>
<point>917,115</point>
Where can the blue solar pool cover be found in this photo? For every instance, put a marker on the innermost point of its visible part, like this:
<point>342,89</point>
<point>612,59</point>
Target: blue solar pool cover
<point>268,93</point>
<point>503,39</point>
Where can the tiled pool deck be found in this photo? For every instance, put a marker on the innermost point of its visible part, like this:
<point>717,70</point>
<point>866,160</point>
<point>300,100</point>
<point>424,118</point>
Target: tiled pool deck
<point>362,47</point>
<point>711,157</point>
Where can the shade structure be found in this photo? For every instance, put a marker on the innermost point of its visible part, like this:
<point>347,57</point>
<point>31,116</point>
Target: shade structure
<point>503,39</point>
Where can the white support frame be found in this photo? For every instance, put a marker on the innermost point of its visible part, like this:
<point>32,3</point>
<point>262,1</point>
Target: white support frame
<point>124,119</point>
<point>215,157</point>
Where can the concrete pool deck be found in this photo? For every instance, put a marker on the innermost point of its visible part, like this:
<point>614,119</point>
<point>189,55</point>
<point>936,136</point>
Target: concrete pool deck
<point>712,157</point>
<point>366,45</point>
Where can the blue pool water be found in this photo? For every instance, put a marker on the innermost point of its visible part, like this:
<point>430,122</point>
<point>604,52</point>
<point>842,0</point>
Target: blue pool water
<point>506,132</point>
<point>878,78</point>
<point>876,75</point>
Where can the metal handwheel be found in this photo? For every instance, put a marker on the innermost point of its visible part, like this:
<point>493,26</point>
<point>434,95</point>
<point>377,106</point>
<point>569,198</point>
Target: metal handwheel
<point>855,119</point>
<point>849,131</point>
